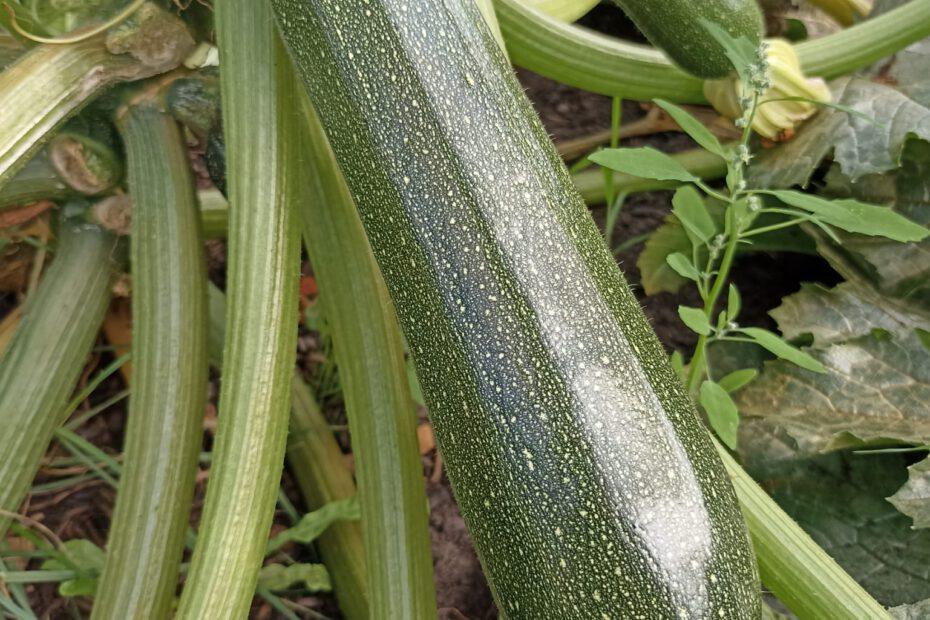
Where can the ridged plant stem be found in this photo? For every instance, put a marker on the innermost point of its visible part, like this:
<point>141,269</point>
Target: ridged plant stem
<point>585,59</point>
<point>370,355</point>
<point>169,387</point>
<point>261,325</point>
<point>791,564</point>
<point>39,369</point>
<point>37,180</point>
<point>320,469</point>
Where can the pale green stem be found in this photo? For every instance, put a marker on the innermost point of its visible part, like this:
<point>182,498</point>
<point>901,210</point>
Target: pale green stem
<point>169,374</point>
<point>39,368</point>
<point>370,356</point>
<point>261,328</point>
<point>792,566</point>
<point>322,475</point>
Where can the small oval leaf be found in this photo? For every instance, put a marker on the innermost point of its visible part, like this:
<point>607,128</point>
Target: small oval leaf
<point>695,319</point>
<point>782,349</point>
<point>721,412</point>
<point>645,162</point>
<point>683,266</point>
<point>688,206</point>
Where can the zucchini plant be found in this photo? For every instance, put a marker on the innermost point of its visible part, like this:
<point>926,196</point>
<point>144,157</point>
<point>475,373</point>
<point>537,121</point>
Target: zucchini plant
<point>393,138</point>
<point>40,367</point>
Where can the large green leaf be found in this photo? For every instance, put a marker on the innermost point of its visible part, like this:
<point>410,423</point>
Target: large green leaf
<point>876,386</point>
<point>839,499</point>
<point>860,145</point>
<point>915,611</point>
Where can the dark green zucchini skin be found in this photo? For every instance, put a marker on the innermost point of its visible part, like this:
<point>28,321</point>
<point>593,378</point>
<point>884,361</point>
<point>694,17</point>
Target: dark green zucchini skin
<point>675,27</point>
<point>588,483</point>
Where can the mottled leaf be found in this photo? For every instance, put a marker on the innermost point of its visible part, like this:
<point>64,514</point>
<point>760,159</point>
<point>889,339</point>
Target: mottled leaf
<point>913,499</point>
<point>876,386</point>
<point>914,611</point>
<point>645,162</point>
<point>844,312</point>
<point>839,499</point>
<point>898,270</point>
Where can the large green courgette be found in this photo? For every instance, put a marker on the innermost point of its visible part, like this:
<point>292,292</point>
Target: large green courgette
<point>676,27</point>
<point>589,484</point>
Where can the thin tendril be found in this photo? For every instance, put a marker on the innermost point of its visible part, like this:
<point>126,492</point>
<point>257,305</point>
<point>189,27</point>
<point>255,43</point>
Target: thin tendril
<point>74,38</point>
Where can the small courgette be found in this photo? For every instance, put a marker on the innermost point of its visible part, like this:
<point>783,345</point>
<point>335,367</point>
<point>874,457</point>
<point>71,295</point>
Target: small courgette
<point>676,27</point>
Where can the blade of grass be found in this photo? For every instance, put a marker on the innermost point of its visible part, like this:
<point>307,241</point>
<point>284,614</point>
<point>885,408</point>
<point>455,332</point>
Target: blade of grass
<point>166,406</point>
<point>261,324</point>
<point>40,367</point>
